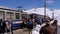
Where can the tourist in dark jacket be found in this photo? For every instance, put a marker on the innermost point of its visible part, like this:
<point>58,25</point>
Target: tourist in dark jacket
<point>0,26</point>
<point>30,24</point>
<point>55,25</point>
<point>47,29</point>
<point>4,27</point>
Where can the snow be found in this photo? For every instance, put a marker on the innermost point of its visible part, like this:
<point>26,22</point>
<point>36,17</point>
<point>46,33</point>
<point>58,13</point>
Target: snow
<point>48,12</point>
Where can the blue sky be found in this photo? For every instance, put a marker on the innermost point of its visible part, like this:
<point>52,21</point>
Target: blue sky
<point>28,4</point>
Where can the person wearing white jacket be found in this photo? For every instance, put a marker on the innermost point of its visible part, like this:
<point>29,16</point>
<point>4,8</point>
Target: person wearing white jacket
<point>36,29</point>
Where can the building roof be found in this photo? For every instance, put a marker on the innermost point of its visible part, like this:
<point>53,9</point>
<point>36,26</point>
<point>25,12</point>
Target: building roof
<point>7,8</point>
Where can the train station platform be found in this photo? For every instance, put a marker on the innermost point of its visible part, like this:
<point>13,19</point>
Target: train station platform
<point>20,31</point>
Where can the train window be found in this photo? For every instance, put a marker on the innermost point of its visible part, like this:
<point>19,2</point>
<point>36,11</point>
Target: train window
<point>1,15</point>
<point>9,15</point>
<point>17,16</point>
<point>23,16</point>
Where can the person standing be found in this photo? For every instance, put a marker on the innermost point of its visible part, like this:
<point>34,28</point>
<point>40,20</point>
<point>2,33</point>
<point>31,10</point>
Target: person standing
<point>38,20</point>
<point>0,26</point>
<point>36,29</point>
<point>4,27</point>
<point>24,23</point>
<point>47,29</point>
<point>29,25</point>
<point>55,25</point>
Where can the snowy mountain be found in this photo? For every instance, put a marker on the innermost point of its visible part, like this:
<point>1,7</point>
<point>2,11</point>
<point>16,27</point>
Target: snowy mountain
<point>48,12</point>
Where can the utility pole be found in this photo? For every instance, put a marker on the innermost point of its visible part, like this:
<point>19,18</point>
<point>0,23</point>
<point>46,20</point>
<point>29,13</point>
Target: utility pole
<point>44,10</point>
<point>53,14</point>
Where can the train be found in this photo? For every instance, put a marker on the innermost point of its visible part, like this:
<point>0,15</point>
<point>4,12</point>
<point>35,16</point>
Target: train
<point>17,24</point>
<point>14,24</point>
